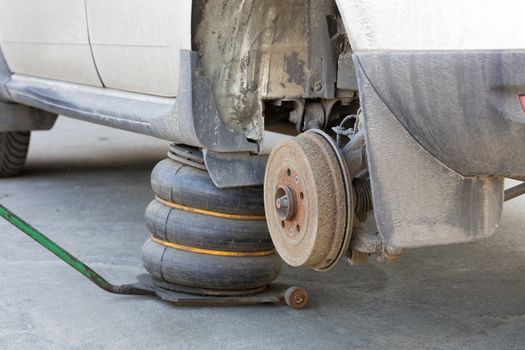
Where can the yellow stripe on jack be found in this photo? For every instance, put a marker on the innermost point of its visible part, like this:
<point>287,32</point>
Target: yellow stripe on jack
<point>211,213</point>
<point>210,252</point>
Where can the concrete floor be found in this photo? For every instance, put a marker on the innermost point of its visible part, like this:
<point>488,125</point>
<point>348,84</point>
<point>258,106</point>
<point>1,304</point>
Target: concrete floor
<point>87,186</point>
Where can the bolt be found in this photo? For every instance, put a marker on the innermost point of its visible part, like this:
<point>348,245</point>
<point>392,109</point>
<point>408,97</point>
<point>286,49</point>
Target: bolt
<point>393,251</point>
<point>282,202</point>
<point>297,179</point>
<point>389,254</point>
<point>317,86</point>
<point>298,299</point>
<point>285,203</point>
<point>293,117</point>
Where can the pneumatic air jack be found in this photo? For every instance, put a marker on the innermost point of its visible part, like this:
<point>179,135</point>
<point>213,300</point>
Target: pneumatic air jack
<point>294,297</point>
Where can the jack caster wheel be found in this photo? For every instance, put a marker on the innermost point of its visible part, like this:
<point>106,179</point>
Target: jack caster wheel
<point>296,297</point>
<point>204,239</point>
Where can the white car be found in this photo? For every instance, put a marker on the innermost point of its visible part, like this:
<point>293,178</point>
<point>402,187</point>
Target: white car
<point>374,126</point>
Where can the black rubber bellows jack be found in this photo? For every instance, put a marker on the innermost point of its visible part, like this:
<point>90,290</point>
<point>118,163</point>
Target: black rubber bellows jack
<point>205,239</point>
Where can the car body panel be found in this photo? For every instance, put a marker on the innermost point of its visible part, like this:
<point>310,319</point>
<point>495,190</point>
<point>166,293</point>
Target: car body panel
<point>136,43</point>
<point>411,25</point>
<point>463,107</point>
<point>47,39</point>
<point>191,119</point>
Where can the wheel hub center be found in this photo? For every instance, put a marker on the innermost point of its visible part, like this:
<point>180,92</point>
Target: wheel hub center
<point>285,200</point>
<point>290,203</point>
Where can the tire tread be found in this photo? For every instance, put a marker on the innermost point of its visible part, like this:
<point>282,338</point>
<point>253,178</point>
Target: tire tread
<point>13,152</point>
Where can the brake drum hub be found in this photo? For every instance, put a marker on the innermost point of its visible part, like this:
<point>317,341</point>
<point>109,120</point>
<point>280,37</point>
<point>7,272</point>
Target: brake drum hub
<point>307,201</point>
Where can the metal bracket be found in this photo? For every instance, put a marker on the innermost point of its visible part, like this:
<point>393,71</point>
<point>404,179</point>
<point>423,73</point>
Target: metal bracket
<point>515,192</point>
<point>235,169</point>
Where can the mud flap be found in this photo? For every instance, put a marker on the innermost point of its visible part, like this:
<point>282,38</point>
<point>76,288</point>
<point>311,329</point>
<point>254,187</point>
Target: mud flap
<point>418,200</point>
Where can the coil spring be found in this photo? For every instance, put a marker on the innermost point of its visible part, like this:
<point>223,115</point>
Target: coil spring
<point>363,195</point>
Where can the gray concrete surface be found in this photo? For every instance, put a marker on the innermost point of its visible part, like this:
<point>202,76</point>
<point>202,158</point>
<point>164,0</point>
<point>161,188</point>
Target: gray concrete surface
<point>87,186</point>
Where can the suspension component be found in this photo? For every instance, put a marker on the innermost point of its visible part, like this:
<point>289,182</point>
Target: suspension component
<point>363,193</point>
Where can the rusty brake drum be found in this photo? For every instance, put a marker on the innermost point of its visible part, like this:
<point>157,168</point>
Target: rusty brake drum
<point>309,201</point>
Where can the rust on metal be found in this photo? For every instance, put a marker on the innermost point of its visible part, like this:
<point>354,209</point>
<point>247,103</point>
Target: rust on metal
<point>306,202</point>
<point>296,298</point>
<point>514,192</point>
<point>293,216</point>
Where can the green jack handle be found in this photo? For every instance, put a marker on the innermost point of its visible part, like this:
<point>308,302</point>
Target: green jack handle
<point>65,256</point>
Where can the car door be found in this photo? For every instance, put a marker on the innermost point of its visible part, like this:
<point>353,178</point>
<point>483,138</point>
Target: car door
<point>136,43</point>
<point>47,38</point>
